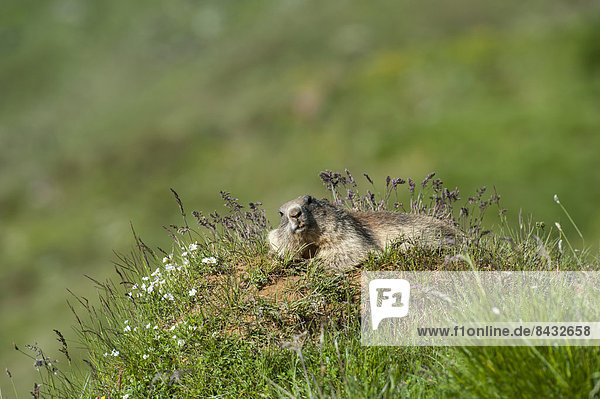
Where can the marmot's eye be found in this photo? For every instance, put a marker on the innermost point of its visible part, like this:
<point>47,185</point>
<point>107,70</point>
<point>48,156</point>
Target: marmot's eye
<point>280,213</point>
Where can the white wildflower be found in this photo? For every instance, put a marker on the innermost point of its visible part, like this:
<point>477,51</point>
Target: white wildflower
<point>212,260</point>
<point>105,354</point>
<point>556,199</point>
<point>173,327</point>
<point>148,325</point>
<point>156,272</point>
<point>193,247</point>
<point>495,310</point>
<point>192,292</point>
<point>155,328</point>
<point>180,342</point>
<point>145,356</point>
<point>145,278</point>
<point>115,353</point>
<point>127,328</point>
<point>169,267</point>
<point>184,254</point>
<point>126,396</point>
<point>186,262</point>
<point>168,296</point>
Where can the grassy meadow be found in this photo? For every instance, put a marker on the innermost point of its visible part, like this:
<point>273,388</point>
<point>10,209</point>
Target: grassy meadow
<point>104,106</point>
<point>217,315</point>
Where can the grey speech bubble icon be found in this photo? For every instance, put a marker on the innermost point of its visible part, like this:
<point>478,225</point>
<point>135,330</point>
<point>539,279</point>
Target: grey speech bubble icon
<point>389,298</point>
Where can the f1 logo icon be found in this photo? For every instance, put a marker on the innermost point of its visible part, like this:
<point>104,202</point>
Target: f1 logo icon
<point>389,298</point>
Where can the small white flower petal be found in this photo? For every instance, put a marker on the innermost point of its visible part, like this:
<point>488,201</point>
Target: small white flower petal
<point>168,296</point>
<point>169,267</point>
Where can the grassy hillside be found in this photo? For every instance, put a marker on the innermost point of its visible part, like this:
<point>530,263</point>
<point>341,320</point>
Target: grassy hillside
<point>105,106</point>
<point>217,315</point>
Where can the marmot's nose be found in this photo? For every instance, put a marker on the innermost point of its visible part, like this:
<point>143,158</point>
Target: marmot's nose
<point>295,212</point>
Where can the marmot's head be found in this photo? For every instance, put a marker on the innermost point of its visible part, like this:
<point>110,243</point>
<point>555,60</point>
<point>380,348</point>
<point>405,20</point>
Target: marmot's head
<point>297,229</point>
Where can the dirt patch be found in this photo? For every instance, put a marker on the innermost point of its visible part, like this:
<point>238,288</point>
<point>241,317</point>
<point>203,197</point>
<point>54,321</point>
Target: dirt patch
<point>282,289</point>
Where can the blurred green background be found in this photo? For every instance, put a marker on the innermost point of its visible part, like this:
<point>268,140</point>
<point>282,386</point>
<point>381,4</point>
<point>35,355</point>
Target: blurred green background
<point>105,105</point>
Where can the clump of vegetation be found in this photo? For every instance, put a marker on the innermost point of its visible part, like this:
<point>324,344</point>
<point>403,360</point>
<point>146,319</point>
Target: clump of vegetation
<point>430,198</point>
<point>218,315</point>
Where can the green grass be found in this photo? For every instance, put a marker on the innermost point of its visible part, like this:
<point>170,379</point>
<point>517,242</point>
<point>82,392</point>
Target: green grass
<point>524,372</point>
<point>217,315</point>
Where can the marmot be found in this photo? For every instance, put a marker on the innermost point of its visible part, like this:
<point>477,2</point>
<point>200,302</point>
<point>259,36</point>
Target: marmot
<point>342,238</point>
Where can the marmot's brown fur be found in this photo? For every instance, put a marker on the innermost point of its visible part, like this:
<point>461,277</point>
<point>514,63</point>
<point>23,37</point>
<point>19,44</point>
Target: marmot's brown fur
<point>342,238</point>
